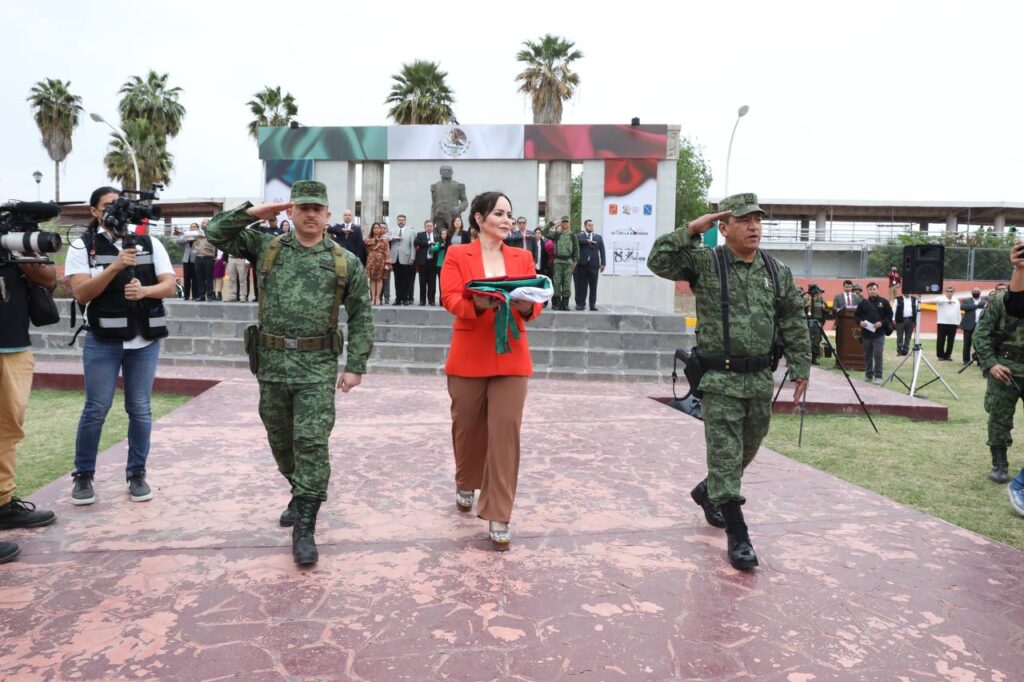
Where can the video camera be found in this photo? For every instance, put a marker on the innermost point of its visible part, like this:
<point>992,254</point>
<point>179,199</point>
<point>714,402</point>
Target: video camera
<point>813,289</point>
<point>127,210</point>
<point>20,233</point>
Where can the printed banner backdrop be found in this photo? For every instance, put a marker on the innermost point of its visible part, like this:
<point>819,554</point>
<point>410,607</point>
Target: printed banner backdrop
<point>471,142</point>
<point>279,176</point>
<point>630,212</point>
<point>353,143</point>
<point>596,142</point>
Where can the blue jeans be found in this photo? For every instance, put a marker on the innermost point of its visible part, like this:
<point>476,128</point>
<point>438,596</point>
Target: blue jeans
<point>102,360</point>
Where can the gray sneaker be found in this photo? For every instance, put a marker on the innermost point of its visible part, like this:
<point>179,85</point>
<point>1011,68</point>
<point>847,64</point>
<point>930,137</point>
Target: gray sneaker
<point>138,489</point>
<point>82,493</point>
<point>878,380</point>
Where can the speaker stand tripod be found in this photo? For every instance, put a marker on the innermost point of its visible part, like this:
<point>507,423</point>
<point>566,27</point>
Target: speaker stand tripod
<point>918,357</point>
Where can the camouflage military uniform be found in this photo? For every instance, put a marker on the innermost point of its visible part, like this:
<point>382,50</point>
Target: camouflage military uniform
<point>816,311</point>
<point>999,340</point>
<point>297,388</point>
<point>567,254</point>
<point>736,406</point>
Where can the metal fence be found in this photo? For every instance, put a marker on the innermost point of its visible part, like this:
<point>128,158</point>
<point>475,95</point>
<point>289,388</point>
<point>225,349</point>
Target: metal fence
<point>991,264</point>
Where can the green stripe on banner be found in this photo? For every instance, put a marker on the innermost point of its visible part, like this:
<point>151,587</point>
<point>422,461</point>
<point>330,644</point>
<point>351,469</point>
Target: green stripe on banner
<point>711,237</point>
<point>338,143</point>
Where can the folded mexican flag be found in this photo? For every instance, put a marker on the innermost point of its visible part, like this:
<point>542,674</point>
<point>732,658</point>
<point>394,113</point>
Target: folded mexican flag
<point>505,289</point>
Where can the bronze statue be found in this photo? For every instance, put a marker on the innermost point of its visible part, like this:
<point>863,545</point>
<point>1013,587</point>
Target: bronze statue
<point>447,200</point>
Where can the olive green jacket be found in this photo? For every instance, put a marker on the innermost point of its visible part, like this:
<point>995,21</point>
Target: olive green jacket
<point>296,299</point>
<point>754,315</point>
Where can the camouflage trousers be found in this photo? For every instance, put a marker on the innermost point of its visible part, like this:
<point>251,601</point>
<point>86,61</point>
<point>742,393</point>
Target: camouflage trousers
<point>733,431</point>
<point>299,419</point>
<point>1001,403</point>
<point>563,278</point>
<point>816,335</point>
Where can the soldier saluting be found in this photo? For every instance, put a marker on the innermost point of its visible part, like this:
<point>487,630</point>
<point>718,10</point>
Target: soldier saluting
<point>304,277</point>
<point>735,332</point>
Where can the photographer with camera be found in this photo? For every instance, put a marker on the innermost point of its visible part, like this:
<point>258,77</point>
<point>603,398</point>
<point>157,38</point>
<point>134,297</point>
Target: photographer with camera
<point>123,278</point>
<point>817,313</point>
<point>16,367</point>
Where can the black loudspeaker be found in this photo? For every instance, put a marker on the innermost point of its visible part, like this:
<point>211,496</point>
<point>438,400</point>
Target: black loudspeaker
<point>922,268</point>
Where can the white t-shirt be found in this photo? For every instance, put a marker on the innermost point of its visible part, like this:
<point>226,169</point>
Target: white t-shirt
<point>77,263</point>
<point>948,310</point>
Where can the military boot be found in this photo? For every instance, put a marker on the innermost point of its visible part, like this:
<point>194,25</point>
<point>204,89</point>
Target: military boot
<point>303,545</point>
<point>556,302</point>
<point>711,513</point>
<point>1000,465</point>
<point>741,552</point>
<point>287,519</point>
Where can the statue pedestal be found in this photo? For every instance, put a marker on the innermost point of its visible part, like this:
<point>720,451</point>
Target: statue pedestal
<point>848,345</point>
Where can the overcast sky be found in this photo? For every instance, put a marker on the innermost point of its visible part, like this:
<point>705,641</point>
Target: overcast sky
<point>869,100</point>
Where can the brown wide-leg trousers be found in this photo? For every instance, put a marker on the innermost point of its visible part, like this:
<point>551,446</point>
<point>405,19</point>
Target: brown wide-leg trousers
<point>486,417</point>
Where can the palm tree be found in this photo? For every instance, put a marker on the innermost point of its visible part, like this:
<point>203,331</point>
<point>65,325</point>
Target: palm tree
<point>419,95</point>
<point>56,114</point>
<point>548,78</point>
<point>155,163</point>
<point>152,100</point>
<point>271,109</point>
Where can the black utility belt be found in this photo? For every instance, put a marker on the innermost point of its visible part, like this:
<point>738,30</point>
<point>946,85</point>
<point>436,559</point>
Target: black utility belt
<point>1011,354</point>
<point>302,343</point>
<point>741,364</point>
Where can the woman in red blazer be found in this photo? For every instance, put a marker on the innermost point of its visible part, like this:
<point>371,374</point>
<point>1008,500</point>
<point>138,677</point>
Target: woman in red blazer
<point>488,390</point>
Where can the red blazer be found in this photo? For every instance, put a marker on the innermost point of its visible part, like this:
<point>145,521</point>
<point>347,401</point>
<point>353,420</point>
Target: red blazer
<point>472,353</point>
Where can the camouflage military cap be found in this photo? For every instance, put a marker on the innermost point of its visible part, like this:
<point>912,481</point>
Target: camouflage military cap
<point>740,204</point>
<point>309,192</point>
<point>565,219</point>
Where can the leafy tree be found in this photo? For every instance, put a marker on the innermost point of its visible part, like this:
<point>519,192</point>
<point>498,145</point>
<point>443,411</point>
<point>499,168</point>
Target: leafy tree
<point>420,95</point>
<point>271,109</point>
<point>155,163</point>
<point>548,78</point>
<point>576,203</point>
<point>56,113</point>
<point>151,100</point>
<point>693,177</point>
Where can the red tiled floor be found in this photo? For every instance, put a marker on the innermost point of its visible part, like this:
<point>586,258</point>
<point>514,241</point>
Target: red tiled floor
<point>613,574</point>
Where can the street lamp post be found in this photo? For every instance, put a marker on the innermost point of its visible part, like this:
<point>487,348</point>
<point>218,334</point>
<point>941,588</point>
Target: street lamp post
<point>711,236</point>
<point>728,157</point>
<point>131,150</point>
<point>38,177</point>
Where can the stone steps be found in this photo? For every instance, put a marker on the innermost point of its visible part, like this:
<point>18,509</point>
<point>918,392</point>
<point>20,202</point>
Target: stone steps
<point>606,345</point>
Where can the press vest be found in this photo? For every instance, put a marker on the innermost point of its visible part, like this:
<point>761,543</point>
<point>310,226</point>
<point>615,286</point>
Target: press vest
<point>14,310</point>
<point>111,315</point>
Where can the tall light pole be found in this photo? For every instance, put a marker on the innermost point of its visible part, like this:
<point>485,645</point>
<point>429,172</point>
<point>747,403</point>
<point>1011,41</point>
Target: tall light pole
<point>131,150</point>
<point>711,236</point>
<point>38,177</point>
<point>728,157</point>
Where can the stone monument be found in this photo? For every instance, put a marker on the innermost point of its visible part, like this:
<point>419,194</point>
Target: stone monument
<point>447,200</point>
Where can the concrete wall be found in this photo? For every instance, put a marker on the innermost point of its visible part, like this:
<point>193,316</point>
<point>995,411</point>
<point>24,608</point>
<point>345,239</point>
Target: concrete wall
<point>410,183</point>
<point>340,178</point>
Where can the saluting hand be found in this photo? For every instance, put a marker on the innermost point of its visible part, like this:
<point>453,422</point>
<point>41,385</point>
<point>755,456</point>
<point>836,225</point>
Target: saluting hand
<point>705,222</point>
<point>267,211</point>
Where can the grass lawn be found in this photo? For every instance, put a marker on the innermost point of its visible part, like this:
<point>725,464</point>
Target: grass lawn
<point>51,422</point>
<point>940,468</point>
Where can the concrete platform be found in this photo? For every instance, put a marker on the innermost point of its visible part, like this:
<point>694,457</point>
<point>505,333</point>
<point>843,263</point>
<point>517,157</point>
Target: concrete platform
<point>613,574</point>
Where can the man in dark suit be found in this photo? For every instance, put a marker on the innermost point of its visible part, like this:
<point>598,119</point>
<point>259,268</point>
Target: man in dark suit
<point>847,299</point>
<point>972,308</point>
<point>905,309</point>
<point>517,237</point>
<point>591,263</point>
<point>426,263</point>
<point>349,236</point>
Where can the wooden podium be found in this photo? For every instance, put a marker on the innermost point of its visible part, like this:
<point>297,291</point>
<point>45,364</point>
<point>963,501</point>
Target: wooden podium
<point>848,344</point>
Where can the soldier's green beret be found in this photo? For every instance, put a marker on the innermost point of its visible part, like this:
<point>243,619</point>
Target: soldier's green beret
<point>309,192</point>
<point>740,204</point>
